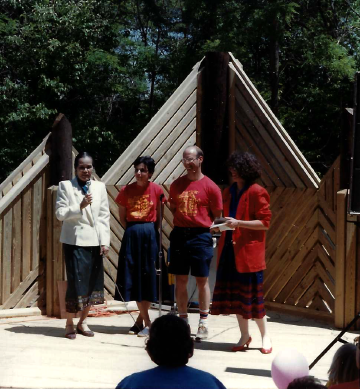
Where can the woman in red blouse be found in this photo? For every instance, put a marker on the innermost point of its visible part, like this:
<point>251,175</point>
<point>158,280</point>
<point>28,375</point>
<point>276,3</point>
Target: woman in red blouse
<point>239,280</point>
<point>139,210</point>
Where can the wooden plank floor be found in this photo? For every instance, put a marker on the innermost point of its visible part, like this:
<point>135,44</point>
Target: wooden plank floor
<point>34,353</point>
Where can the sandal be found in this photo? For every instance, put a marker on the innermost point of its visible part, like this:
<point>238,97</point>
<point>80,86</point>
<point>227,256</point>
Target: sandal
<point>85,333</point>
<point>71,334</point>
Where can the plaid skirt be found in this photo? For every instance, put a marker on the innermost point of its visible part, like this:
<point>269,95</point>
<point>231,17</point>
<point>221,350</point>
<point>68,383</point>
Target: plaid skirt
<point>237,293</point>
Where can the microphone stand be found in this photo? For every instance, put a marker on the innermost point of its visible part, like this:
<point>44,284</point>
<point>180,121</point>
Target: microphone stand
<point>160,256</point>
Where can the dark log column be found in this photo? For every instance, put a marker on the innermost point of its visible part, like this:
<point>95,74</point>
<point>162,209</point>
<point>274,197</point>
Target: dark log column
<point>345,147</point>
<point>355,161</point>
<point>212,126</point>
<point>60,150</point>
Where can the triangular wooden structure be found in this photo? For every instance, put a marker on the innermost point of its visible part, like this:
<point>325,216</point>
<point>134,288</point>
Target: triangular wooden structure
<point>255,129</point>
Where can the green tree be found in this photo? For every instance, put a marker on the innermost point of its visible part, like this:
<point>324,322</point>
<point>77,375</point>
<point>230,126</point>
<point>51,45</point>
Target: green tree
<point>70,57</point>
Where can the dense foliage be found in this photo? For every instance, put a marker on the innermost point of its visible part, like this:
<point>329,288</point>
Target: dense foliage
<point>109,65</point>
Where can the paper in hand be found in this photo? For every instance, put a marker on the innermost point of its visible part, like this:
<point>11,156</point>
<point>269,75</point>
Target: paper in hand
<point>222,227</point>
<point>220,223</point>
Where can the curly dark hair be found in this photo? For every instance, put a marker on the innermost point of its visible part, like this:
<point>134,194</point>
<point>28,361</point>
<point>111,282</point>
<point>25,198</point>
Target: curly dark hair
<point>246,165</point>
<point>170,343</point>
<point>147,161</point>
<point>307,382</point>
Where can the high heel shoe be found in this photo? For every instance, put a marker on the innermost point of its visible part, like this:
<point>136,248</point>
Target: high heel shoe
<point>243,347</point>
<point>266,350</point>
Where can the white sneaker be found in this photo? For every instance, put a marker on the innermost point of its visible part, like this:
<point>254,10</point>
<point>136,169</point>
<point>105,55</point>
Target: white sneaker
<point>202,332</point>
<point>144,332</point>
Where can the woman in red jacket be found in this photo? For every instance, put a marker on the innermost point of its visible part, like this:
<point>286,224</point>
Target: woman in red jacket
<point>239,280</point>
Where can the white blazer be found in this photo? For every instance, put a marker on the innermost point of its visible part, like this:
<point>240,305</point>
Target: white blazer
<point>88,226</point>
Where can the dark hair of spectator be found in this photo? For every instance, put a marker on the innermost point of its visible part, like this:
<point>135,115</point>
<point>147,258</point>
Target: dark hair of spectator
<point>147,161</point>
<point>343,366</point>
<point>170,343</point>
<point>82,154</point>
<point>307,382</point>
<point>246,165</point>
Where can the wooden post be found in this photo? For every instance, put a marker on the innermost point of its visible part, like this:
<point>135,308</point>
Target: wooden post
<point>354,200</point>
<point>61,150</point>
<point>345,148</point>
<point>54,256</point>
<point>214,100</point>
<point>340,258</point>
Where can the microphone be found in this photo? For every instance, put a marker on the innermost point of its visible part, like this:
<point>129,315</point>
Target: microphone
<point>87,186</point>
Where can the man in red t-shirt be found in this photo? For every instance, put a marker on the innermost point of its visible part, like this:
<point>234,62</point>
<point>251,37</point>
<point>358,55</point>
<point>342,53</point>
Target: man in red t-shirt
<point>195,202</point>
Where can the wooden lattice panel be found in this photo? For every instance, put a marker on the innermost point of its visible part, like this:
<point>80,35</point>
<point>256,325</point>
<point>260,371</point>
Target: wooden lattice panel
<point>22,243</point>
<point>301,246</point>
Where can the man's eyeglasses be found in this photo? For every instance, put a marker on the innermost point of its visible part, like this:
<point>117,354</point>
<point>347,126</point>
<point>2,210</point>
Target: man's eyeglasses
<point>141,170</point>
<point>188,160</point>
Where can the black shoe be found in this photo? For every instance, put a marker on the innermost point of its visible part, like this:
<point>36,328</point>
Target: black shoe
<point>135,329</point>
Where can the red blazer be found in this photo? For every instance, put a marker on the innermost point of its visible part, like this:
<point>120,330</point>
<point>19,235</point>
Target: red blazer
<point>249,245</point>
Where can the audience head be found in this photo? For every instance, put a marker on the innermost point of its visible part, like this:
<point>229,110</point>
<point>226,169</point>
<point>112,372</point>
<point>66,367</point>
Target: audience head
<point>246,166</point>
<point>343,366</point>
<point>307,382</point>
<point>164,348</point>
<point>357,344</point>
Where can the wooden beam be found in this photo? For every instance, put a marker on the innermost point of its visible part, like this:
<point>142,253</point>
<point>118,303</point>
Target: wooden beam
<point>26,164</point>
<point>23,182</point>
<point>166,112</point>
<point>277,125</point>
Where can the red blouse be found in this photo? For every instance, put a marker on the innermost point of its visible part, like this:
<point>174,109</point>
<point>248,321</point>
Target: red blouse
<point>141,202</point>
<point>249,245</point>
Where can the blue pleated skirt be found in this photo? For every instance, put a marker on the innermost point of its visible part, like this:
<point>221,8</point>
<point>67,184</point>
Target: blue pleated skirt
<point>136,277</point>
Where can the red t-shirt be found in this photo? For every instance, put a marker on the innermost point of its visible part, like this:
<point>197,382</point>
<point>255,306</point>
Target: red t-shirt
<point>195,201</point>
<point>140,201</point>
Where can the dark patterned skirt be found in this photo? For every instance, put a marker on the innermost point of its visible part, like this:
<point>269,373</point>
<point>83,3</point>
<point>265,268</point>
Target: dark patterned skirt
<point>85,277</point>
<point>136,277</point>
<point>237,293</point>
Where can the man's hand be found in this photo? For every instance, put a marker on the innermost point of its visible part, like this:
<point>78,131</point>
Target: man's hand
<point>86,201</point>
<point>104,250</point>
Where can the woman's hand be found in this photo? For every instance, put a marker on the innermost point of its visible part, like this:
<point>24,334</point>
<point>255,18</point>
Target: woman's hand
<point>231,222</point>
<point>104,250</point>
<point>86,201</point>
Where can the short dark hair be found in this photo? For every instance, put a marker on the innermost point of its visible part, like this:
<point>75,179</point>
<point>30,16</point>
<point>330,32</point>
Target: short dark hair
<point>307,382</point>
<point>246,165</point>
<point>170,343</point>
<point>147,161</point>
<point>82,154</point>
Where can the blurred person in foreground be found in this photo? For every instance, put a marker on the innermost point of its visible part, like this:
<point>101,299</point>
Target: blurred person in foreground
<point>354,383</point>
<point>171,354</point>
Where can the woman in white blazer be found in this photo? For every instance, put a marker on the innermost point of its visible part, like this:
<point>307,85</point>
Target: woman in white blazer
<point>82,205</point>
